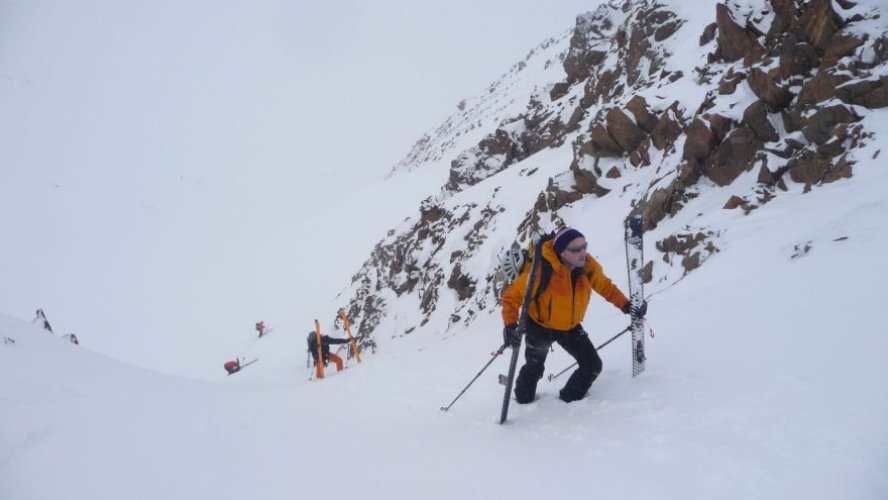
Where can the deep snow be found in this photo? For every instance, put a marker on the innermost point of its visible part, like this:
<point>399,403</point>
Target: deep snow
<point>764,380</point>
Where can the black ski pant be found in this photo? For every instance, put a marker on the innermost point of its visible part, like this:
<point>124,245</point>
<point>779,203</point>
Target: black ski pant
<point>576,342</point>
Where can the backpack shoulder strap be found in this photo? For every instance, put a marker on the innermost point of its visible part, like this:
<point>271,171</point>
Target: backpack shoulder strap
<point>545,267</point>
<point>545,278</point>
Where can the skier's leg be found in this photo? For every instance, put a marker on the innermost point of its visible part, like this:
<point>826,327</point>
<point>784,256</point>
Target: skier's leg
<point>336,360</point>
<point>576,342</point>
<point>535,351</point>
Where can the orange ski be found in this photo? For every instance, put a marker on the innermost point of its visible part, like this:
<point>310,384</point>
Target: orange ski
<point>319,366</point>
<point>354,344</point>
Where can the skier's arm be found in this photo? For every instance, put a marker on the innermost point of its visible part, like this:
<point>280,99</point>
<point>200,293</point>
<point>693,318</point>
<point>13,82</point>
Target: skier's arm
<point>513,296</point>
<point>605,287</point>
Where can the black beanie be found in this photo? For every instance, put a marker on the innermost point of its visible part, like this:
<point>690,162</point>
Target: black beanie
<point>563,238</point>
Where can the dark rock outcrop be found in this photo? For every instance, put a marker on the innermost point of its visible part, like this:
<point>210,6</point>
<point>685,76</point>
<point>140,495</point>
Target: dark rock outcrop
<point>668,128</point>
<point>766,89</point>
<point>819,22</point>
<point>818,127</point>
<point>605,144</point>
<point>756,117</point>
<point>872,93</point>
<point>699,143</point>
<point>734,42</point>
<point>733,156</point>
<point>623,130</point>
<point>644,118</point>
<point>797,57</point>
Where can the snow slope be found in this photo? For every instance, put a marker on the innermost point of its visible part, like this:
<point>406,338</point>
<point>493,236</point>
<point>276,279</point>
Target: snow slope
<point>784,403</point>
<point>764,378</point>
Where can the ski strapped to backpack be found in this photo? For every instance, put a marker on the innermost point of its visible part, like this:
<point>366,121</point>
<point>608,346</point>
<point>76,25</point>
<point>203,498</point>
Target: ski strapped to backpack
<point>319,365</point>
<point>352,342</point>
<point>522,326</point>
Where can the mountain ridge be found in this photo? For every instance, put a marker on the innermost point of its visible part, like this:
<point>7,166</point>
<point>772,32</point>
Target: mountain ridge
<point>646,119</point>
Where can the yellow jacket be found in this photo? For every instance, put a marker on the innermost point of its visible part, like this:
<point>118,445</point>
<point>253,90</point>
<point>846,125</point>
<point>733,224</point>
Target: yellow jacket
<point>560,306</point>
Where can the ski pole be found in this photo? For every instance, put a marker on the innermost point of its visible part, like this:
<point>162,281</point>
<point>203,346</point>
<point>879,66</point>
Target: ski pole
<point>495,354</point>
<point>553,377</point>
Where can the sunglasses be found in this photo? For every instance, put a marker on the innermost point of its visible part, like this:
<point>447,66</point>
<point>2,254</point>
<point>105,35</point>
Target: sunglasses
<point>577,249</point>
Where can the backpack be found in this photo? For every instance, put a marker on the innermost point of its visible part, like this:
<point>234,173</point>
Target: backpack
<point>515,261</point>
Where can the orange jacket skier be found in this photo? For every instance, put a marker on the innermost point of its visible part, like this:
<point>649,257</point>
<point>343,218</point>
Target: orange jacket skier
<point>555,315</point>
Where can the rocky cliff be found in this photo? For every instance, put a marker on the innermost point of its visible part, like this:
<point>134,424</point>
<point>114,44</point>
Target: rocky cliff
<point>649,104</point>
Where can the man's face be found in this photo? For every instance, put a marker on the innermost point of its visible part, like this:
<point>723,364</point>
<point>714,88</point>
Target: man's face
<point>574,255</point>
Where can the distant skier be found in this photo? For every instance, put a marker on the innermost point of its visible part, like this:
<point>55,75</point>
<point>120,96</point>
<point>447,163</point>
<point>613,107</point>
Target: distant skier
<point>326,340</point>
<point>556,312</point>
<point>42,317</point>
<point>260,327</point>
<point>233,366</point>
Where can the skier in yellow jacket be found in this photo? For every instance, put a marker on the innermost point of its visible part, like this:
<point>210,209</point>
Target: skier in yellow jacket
<point>555,315</point>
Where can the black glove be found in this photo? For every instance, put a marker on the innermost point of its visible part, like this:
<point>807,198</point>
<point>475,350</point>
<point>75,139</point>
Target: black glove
<point>511,337</point>
<point>636,312</point>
